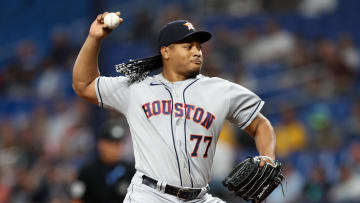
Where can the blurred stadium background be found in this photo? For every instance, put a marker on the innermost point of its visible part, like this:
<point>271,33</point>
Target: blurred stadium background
<point>301,56</point>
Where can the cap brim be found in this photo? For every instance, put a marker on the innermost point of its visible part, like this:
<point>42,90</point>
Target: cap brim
<point>200,36</point>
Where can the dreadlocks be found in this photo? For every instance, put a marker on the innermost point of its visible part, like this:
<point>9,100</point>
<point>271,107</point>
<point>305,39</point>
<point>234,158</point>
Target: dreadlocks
<point>138,70</point>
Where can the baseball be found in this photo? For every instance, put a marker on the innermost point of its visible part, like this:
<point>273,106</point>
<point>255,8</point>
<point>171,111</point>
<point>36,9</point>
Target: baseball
<point>111,20</point>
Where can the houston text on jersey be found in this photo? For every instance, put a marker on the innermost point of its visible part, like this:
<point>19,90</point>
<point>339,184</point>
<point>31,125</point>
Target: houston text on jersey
<point>191,112</point>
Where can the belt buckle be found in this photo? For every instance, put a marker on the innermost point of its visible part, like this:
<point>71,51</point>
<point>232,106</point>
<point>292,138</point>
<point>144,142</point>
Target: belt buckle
<point>187,196</point>
<point>179,191</point>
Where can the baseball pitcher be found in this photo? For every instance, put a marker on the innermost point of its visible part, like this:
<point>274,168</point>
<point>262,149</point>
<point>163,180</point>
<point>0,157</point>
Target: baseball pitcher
<point>176,117</point>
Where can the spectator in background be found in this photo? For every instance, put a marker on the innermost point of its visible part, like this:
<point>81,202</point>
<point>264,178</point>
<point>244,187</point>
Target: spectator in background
<point>70,122</point>
<point>317,186</point>
<point>354,157</point>
<point>64,52</point>
<point>273,6</point>
<point>30,174</point>
<point>106,178</point>
<point>27,55</point>
<point>9,152</point>
<point>292,189</point>
<point>330,61</point>
<point>218,62</point>
<point>62,48</point>
<point>352,125</point>
<point>21,71</point>
<point>50,80</point>
<point>349,53</point>
<point>226,43</point>
<point>216,7</point>
<point>4,192</point>
<point>234,8</point>
<point>14,84</point>
<point>301,57</point>
<point>314,8</point>
<point>243,7</point>
<point>56,68</point>
<point>348,188</point>
<point>291,134</point>
<point>274,45</point>
<point>325,135</point>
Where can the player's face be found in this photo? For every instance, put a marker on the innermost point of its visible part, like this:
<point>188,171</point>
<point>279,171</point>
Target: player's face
<point>110,151</point>
<point>186,58</point>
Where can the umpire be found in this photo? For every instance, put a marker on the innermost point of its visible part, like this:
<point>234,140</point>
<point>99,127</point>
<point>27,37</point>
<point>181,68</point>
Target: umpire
<point>107,177</point>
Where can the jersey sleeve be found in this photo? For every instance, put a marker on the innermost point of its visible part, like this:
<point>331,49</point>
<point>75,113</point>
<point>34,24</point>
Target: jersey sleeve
<point>243,104</point>
<point>112,92</point>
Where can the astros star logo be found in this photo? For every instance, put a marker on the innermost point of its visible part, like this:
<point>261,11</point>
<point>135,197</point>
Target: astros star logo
<point>189,26</point>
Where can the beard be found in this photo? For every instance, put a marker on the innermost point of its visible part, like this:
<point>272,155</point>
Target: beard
<point>193,74</point>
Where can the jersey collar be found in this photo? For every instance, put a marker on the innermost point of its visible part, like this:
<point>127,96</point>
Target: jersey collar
<point>160,78</point>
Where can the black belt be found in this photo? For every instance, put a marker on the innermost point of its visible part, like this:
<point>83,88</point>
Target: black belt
<point>186,194</point>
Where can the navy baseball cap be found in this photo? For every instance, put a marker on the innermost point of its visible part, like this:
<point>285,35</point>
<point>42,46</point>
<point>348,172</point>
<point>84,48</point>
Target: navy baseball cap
<point>174,31</point>
<point>179,30</point>
<point>112,130</point>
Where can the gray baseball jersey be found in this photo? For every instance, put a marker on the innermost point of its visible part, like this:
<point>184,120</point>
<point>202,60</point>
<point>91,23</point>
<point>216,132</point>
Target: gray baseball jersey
<point>175,126</point>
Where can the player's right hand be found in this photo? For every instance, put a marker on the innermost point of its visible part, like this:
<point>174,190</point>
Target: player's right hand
<point>98,29</point>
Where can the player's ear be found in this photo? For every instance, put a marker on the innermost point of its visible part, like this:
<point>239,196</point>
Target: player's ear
<point>165,52</point>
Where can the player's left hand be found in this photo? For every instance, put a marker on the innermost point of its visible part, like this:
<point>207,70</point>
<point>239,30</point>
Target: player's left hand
<point>266,159</point>
<point>250,182</point>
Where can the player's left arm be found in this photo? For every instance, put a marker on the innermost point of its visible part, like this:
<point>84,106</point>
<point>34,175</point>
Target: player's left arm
<point>262,131</point>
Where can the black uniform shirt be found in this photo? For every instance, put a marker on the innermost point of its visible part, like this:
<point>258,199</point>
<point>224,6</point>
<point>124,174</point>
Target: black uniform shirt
<point>98,182</point>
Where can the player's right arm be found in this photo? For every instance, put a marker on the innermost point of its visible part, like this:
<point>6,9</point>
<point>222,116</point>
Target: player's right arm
<point>86,65</point>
